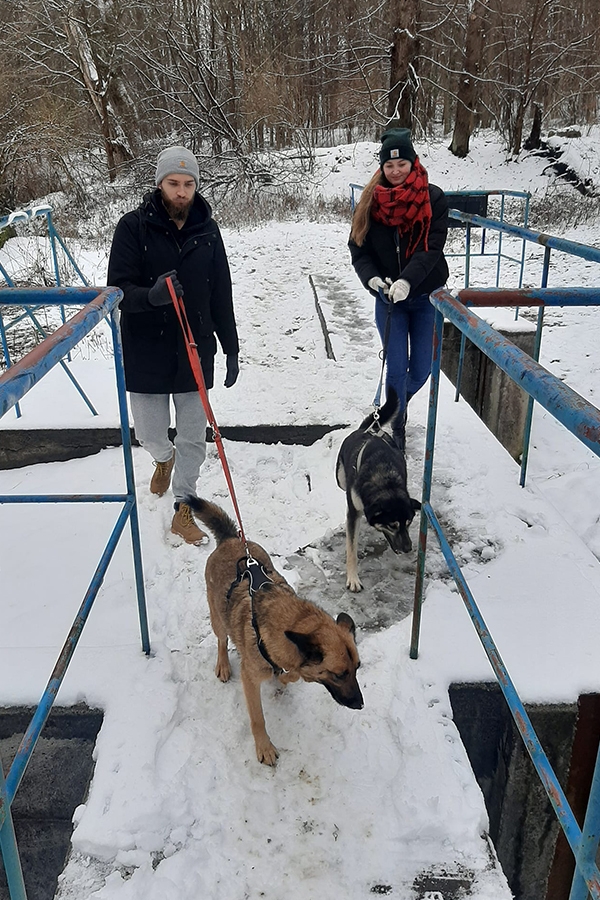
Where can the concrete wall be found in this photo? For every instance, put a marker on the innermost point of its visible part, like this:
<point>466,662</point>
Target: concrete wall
<point>55,782</point>
<point>522,823</point>
<point>21,447</point>
<point>498,401</point>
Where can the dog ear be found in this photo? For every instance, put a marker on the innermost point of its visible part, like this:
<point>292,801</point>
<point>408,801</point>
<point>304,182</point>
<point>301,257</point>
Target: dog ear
<point>347,622</point>
<point>310,651</point>
<point>415,503</point>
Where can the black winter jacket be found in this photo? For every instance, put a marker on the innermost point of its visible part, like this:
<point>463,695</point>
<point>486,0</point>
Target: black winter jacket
<point>383,253</point>
<point>147,244</point>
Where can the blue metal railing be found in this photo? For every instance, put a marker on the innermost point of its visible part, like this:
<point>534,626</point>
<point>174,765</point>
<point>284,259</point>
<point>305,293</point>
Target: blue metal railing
<point>14,384</point>
<point>583,420</point>
<point>26,215</point>
<point>459,214</point>
<point>503,297</point>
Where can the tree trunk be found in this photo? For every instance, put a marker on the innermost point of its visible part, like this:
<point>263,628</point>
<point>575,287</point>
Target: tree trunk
<point>403,64</point>
<point>467,86</point>
<point>98,90</point>
<point>535,137</point>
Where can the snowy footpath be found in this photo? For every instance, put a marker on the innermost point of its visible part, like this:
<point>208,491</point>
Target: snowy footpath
<point>361,802</point>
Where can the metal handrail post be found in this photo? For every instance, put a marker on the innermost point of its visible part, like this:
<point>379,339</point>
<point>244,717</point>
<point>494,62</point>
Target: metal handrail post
<point>69,256</point>
<point>523,241</point>
<point>459,371</point>
<point>438,336</point>
<point>537,349</point>
<point>498,263</point>
<point>467,255</point>
<point>461,352</point>
<point>130,481</point>
<point>51,235</point>
<point>9,852</point>
<point>7,359</point>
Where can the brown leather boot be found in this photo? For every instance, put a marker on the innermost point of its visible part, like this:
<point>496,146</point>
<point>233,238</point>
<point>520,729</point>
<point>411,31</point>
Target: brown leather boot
<point>162,476</point>
<point>185,526</point>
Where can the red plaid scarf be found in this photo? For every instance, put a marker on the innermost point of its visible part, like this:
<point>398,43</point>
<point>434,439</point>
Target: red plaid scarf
<point>406,206</point>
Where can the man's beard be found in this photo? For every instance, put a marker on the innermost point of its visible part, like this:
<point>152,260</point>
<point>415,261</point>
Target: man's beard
<point>177,211</point>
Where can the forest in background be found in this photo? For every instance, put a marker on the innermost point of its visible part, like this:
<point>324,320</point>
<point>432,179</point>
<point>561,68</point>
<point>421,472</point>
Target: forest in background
<point>106,82</point>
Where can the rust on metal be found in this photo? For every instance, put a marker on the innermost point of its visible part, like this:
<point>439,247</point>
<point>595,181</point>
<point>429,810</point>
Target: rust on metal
<point>35,356</point>
<point>499,297</point>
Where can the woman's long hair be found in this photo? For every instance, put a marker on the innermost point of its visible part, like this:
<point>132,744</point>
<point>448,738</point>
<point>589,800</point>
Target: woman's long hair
<point>361,219</point>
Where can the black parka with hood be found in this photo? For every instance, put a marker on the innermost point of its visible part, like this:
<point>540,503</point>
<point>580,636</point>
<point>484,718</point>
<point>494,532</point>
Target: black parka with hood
<point>146,244</point>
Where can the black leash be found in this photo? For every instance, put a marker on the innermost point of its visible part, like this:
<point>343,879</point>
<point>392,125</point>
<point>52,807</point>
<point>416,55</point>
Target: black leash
<point>383,354</point>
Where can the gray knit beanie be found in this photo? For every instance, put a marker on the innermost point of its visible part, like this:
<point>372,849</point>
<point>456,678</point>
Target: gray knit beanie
<point>176,161</point>
<point>396,144</point>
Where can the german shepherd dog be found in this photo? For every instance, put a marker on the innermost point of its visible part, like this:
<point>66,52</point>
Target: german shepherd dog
<point>372,471</point>
<point>275,632</point>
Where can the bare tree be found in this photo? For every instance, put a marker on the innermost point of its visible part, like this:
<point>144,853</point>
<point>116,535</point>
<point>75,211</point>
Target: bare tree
<point>533,50</point>
<point>468,82</point>
<point>231,77</point>
<point>77,46</point>
<point>403,62</point>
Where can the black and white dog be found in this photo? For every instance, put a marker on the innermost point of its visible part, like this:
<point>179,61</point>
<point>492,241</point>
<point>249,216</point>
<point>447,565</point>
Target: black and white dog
<point>372,471</point>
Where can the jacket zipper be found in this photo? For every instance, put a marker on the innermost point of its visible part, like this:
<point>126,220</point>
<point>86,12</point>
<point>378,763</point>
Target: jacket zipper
<point>397,242</point>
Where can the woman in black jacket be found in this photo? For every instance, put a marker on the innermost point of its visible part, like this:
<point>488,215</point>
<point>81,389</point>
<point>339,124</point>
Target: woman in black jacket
<point>396,243</point>
<point>172,234</point>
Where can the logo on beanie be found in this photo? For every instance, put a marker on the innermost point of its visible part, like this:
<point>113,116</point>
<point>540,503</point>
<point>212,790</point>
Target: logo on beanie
<point>394,154</point>
<point>182,163</point>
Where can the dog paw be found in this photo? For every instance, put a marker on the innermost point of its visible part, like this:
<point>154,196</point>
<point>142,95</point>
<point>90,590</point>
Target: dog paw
<point>354,585</point>
<point>223,671</point>
<point>266,753</point>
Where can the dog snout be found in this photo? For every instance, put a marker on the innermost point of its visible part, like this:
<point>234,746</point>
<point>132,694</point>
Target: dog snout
<point>349,696</point>
<point>399,541</point>
<point>356,702</point>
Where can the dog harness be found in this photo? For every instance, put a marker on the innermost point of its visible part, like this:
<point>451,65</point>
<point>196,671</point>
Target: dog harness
<point>374,430</point>
<point>257,578</point>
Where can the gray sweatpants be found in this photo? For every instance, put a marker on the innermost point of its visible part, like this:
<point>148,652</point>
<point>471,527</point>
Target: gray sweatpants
<point>151,420</point>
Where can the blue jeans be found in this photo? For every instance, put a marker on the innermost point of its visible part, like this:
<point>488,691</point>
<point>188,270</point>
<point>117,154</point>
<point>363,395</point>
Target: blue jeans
<point>410,343</point>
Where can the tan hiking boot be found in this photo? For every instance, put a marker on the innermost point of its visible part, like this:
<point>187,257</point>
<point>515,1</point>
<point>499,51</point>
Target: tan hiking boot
<point>162,476</point>
<point>185,526</point>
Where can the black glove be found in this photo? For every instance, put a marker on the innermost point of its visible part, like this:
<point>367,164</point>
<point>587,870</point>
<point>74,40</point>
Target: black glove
<point>159,295</point>
<point>233,370</point>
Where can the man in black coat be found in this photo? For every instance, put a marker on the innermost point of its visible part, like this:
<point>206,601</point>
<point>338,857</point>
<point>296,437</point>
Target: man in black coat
<point>172,234</point>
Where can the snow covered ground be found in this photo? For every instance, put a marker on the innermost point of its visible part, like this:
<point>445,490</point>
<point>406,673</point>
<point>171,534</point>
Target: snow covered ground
<point>179,808</point>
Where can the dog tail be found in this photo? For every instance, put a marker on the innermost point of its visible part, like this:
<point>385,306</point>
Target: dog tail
<point>215,518</point>
<point>386,413</point>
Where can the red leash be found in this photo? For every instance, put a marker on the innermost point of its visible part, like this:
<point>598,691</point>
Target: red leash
<point>192,351</point>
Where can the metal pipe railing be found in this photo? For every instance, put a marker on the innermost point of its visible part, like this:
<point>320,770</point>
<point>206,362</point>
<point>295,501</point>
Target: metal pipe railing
<point>23,375</point>
<point>14,384</point>
<point>583,420</point>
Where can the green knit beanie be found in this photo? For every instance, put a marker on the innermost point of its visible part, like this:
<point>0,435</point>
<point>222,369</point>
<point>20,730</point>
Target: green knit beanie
<point>396,144</point>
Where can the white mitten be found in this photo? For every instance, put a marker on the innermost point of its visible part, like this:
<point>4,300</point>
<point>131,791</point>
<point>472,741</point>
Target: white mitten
<point>376,283</point>
<point>399,290</point>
